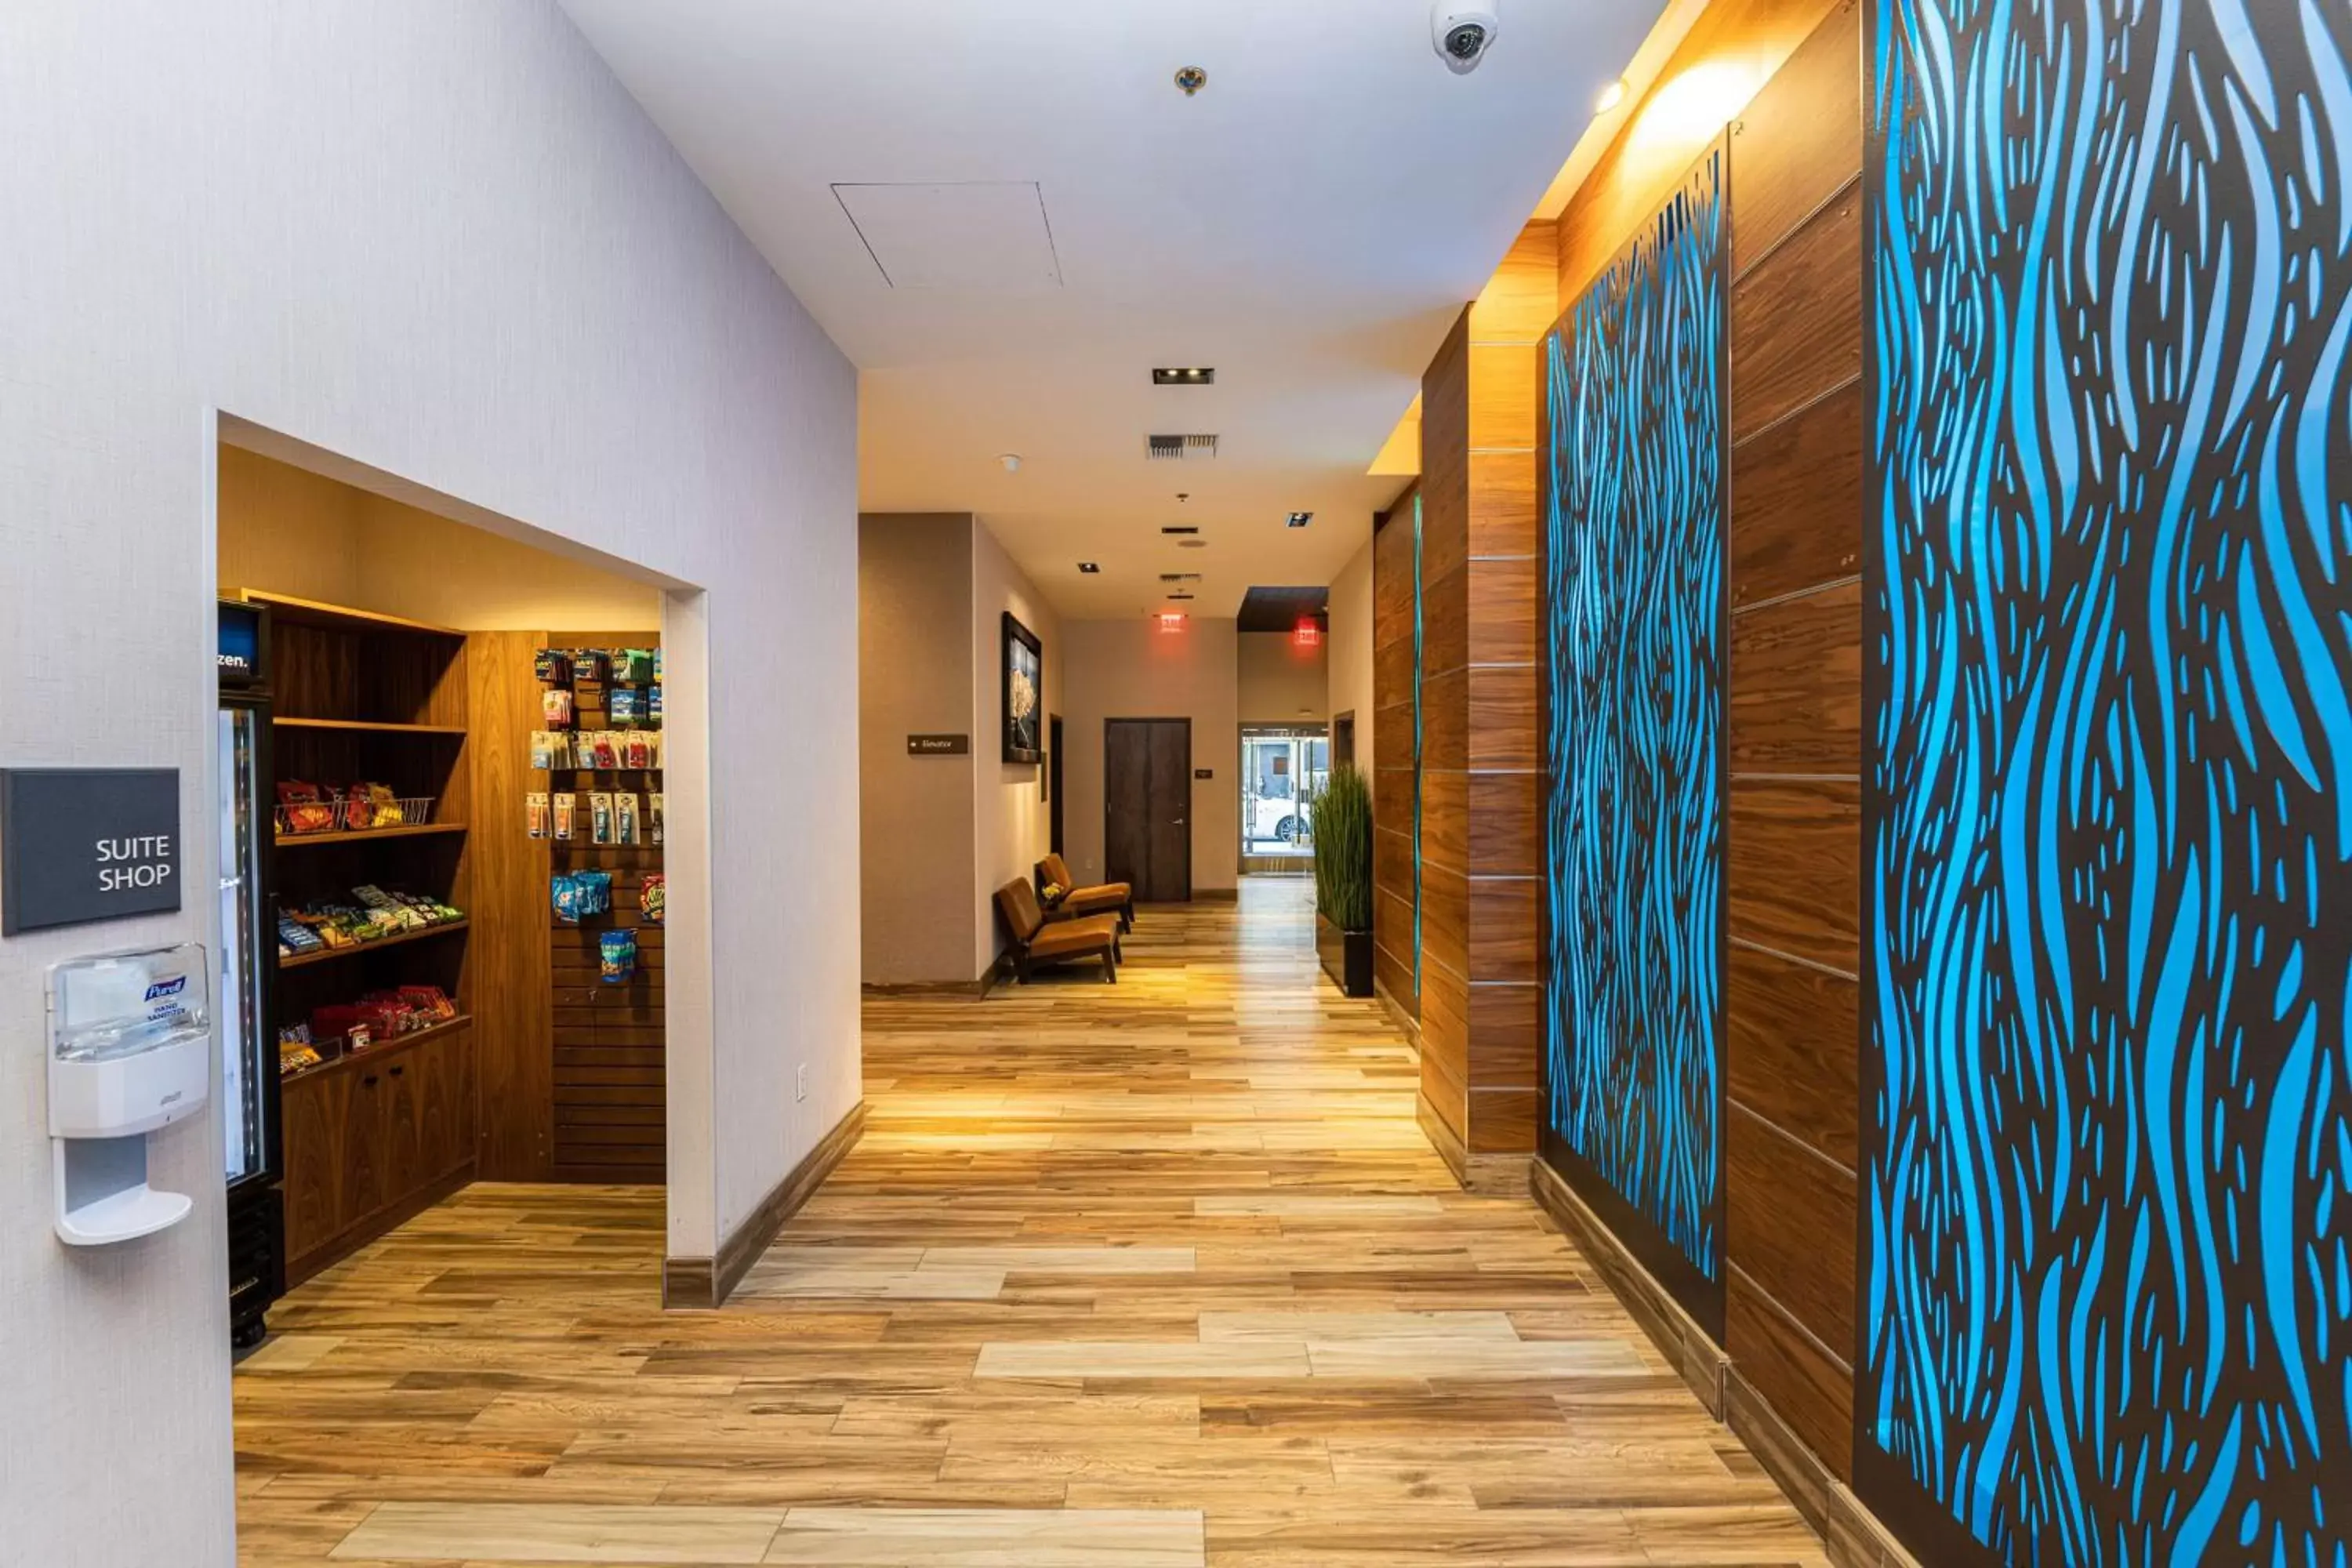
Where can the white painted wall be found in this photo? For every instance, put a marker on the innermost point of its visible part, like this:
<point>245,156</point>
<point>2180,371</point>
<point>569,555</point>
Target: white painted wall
<point>1279,681</point>
<point>1350,651</point>
<point>438,237</point>
<point>1010,828</point>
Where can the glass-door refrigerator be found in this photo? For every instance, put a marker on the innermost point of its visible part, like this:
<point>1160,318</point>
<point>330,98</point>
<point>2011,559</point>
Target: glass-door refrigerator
<point>249,962</point>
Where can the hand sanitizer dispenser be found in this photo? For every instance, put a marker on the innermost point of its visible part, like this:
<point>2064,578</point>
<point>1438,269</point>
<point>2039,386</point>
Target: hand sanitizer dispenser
<point>130,1051</point>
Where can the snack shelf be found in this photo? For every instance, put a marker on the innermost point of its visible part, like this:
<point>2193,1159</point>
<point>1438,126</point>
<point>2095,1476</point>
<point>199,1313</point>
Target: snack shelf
<point>295,840</point>
<point>288,610</point>
<point>364,726</point>
<point>297,961</point>
<point>384,1048</point>
<point>415,811</point>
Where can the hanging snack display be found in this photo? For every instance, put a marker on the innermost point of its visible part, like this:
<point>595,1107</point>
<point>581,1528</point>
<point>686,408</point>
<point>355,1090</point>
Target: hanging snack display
<point>653,898</point>
<point>616,952</point>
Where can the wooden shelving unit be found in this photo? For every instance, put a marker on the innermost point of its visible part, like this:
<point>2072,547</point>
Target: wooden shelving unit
<point>364,835</point>
<point>329,954</point>
<point>363,696</point>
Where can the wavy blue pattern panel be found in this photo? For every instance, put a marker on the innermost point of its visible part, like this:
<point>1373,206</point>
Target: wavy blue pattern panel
<point>1635,562</point>
<point>2108,1105</point>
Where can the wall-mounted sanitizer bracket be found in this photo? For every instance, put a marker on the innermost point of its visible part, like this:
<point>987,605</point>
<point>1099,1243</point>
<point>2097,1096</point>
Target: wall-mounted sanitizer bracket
<point>130,1051</point>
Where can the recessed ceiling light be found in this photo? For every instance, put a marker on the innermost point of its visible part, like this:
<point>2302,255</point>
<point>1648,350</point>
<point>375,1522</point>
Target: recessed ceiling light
<point>1301,519</point>
<point>1089,568</point>
<point>1198,375</point>
<point>1611,97</point>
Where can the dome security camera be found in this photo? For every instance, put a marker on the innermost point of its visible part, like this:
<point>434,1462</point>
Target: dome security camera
<point>1461,34</point>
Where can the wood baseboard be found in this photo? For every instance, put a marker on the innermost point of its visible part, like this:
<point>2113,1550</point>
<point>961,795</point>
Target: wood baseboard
<point>1854,1535</point>
<point>377,1226</point>
<point>976,989</point>
<point>1695,1356</point>
<point>1398,1015</point>
<point>707,1282</point>
<point>1488,1175</point>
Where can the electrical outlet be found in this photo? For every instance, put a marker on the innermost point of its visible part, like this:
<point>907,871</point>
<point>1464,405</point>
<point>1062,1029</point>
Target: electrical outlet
<point>800,1081</point>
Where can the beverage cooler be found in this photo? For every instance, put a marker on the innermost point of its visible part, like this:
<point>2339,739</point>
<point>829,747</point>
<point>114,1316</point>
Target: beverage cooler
<point>249,962</point>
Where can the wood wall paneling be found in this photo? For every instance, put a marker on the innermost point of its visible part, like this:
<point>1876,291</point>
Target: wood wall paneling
<point>1799,141</point>
<point>1795,699</point>
<point>1791,1047</point>
<point>1503,930</point>
<point>1505,727</point>
<point>1505,812</point>
<point>508,976</point>
<point>1505,1032</point>
<point>1795,876</point>
<point>1502,609</point>
<point>1811,1390</point>
<point>1796,500</point>
<point>1788,1217</point>
<point>1796,319</point>
<point>1503,508</point>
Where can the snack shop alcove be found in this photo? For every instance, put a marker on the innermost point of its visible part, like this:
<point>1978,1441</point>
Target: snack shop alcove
<point>444,810</point>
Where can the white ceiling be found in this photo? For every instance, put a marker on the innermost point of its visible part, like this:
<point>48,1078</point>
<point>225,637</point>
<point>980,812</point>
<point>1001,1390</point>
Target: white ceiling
<point>1309,224</point>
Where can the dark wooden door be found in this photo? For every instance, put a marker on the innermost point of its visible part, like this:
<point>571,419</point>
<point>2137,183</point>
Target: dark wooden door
<point>1148,806</point>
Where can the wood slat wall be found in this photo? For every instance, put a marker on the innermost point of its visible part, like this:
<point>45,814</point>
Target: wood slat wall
<point>1795,720</point>
<point>506,979</point>
<point>1394,758</point>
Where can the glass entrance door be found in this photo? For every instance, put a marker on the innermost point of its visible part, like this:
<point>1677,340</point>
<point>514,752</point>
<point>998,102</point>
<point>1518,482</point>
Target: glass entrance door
<point>1282,772</point>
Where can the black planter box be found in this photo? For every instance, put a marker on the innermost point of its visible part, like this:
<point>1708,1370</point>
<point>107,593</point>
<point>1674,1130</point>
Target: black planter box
<point>1347,957</point>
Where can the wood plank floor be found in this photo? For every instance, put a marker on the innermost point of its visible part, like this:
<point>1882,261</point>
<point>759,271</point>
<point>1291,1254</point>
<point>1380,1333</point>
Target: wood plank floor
<point>1160,1274</point>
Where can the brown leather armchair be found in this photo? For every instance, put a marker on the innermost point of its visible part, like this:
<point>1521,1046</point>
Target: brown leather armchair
<point>1038,940</point>
<point>1077,902</point>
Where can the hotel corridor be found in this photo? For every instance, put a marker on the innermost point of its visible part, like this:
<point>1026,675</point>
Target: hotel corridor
<point>1159,1274</point>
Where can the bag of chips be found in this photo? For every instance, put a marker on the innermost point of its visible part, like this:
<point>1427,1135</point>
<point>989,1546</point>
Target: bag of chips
<point>653,898</point>
<point>617,955</point>
<point>595,891</point>
<point>567,897</point>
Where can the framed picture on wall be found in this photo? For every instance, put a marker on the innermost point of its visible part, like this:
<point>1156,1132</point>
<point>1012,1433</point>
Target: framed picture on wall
<point>1024,693</point>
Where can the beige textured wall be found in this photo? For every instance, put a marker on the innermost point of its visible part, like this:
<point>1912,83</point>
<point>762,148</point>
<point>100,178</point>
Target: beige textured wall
<point>1280,682</point>
<point>1009,811</point>
<point>1350,646</point>
<point>915,676</point>
<point>288,530</point>
<point>1131,669</point>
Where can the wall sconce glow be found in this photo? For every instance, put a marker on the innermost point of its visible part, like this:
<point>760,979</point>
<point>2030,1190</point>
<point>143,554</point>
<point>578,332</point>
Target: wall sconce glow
<point>1611,97</point>
<point>1172,620</point>
<point>1695,106</point>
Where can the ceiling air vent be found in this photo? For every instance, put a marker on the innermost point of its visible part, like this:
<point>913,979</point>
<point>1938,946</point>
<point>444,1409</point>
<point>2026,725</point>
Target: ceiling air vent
<point>1177,448</point>
<point>1179,528</point>
<point>1180,576</point>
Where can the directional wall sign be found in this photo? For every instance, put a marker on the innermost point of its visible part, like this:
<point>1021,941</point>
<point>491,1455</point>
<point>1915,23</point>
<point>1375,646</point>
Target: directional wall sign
<point>78,844</point>
<point>938,745</point>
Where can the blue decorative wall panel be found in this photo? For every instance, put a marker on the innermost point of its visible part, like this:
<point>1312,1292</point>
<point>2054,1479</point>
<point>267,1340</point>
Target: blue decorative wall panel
<point>1634,520</point>
<point>2107,1194</point>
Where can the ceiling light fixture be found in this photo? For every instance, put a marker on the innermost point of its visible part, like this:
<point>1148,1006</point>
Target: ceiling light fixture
<point>1089,568</point>
<point>1611,97</point>
<point>1012,461</point>
<point>1191,80</point>
<point>1199,375</point>
<point>1178,528</point>
<point>1301,519</point>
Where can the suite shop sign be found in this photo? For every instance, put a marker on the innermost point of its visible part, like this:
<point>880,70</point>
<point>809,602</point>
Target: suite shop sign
<point>78,844</point>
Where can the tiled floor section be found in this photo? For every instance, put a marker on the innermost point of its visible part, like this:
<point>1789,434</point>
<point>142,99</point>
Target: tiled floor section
<point>1155,1275</point>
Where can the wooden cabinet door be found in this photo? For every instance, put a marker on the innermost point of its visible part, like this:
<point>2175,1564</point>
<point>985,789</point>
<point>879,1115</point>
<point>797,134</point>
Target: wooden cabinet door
<point>312,1115</point>
<point>399,1091</point>
<point>454,1077</point>
<point>365,1180</point>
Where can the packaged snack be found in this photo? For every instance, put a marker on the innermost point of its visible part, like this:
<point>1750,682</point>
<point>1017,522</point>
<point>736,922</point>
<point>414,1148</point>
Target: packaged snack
<point>554,666</point>
<point>296,937</point>
<point>293,1055</point>
<point>653,818</point>
<point>542,749</point>
<point>608,748</point>
<point>534,809</point>
<point>600,817</point>
<point>555,707</point>
<point>565,803</point>
<point>303,807</point>
<point>435,912</point>
<point>385,809</point>
<point>581,753</point>
<point>637,750</point>
<point>357,811</point>
<point>624,817</point>
<point>595,891</point>
<point>617,955</point>
<point>567,897</point>
<point>428,1003</point>
<point>620,707</point>
<point>658,663</point>
<point>653,705</point>
<point>588,666</point>
<point>403,916</point>
<point>653,898</point>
